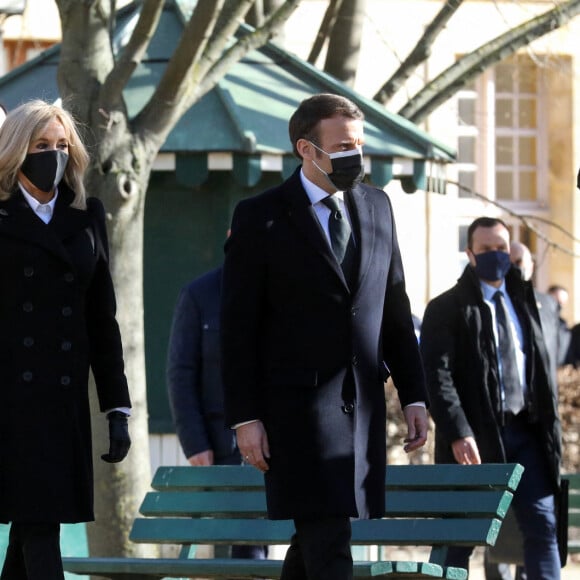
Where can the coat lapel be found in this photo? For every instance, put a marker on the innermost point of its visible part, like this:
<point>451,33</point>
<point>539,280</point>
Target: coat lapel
<point>302,216</point>
<point>362,216</point>
<point>18,220</point>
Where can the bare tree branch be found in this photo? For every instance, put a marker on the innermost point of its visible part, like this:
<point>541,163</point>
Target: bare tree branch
<point>419,54</point>
<point>86,53</point>
<point>231,16</point>
<point>256,14</point>
<point>181,76</point>
<point>187,82</point>
<point>525,220</point>
<point>465,69</point>
<point>552,224</point>
<point>215,48</point>
<point>325,29</point>
<point>133,52</point>
<point>247,43</point>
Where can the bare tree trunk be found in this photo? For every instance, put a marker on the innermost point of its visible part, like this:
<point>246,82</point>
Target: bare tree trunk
<point>325,30</point>
<point>420,53</point>
<point>344,45</point>
<point>260,11</point>
<point>120,488</point>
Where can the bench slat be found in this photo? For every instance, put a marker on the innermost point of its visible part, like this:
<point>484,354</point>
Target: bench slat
<point>427,505</point>
<point>394,532</point>
<point>574,479</point>
<point>452,476</point>
<point>252,504</point>
<point>162,567</point>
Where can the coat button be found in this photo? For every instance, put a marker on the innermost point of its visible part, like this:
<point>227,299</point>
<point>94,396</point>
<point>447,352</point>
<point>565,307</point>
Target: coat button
<point>66,311</point>
<point>69,277</point>
<point>27,376</point>
<point>65,380</point>
<point>28,271</point>
<point>27,307</point>
<point>65,345</point>
<point>28,341</point>
<point>354,311</point>
<point>354,361</point>
<point>348,408</point>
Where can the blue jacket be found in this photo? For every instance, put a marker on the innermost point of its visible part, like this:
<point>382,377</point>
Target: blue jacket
<point>193,371</point>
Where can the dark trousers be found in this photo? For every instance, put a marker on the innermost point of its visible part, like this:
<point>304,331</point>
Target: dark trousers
<point>33,553</point>
<point>497,571</point>
<point>249,552</point>
<point>533,505</point>
<point>319,550</point>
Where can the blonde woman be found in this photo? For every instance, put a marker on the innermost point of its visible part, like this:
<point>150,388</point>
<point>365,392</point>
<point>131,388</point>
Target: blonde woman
<point>57,320</point>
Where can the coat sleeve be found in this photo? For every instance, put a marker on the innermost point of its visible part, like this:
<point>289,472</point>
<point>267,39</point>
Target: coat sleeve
<point>184,360</point>
<point>106,351</point>
<point>243,301</point>
<point>399,341</point>
<point>439,349</point>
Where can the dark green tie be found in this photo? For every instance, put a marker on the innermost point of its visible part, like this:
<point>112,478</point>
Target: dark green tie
<point>510,377</point>
<point>338,228</point>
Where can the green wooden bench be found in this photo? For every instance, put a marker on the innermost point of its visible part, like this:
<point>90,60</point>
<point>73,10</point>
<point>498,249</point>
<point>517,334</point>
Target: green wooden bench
<point>573,512</point>
<point>509,546</point>
<point>427,505</point>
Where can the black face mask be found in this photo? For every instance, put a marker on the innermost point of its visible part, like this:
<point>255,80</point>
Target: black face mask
<point>347,168</point>
<point>45,169</point>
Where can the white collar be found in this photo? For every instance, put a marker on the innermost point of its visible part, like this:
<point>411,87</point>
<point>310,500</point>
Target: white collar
<point>34,203</point>
<point>315,193</point>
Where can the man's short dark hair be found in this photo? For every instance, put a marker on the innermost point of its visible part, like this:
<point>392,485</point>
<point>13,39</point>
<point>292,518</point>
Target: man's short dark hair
<point>482,222</point>
<point>304,122</point>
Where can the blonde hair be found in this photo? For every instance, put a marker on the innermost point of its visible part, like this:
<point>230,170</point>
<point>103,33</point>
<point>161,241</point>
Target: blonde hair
<point>22,126</point>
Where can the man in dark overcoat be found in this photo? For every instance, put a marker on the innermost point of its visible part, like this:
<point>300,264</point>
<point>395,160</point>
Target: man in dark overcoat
<point>309,336</point>
<point>475,419</point>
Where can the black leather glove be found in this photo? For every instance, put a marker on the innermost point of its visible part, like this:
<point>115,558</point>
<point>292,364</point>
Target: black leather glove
<point>119,440</point>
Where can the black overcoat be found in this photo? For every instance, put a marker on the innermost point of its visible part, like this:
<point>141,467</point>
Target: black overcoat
<point>57,318</point>
<point>292,329</point>
<point>460,361</point>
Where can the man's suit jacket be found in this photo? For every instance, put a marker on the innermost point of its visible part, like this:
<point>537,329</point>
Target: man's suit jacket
<point>292,330</point>
<point>194,381</point>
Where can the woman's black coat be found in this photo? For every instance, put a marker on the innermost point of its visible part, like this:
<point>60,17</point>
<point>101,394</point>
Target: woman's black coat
<point>57,319</point>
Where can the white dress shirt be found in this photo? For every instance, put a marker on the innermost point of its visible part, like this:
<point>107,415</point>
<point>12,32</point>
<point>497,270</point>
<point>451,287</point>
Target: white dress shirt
<point>43,210</point>
<point>316,195</point>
